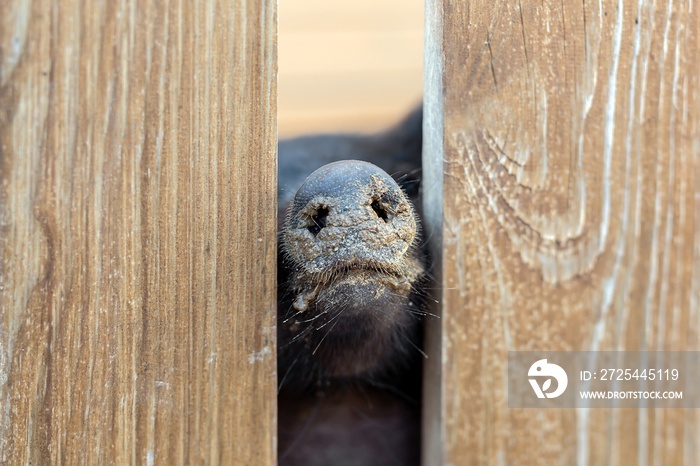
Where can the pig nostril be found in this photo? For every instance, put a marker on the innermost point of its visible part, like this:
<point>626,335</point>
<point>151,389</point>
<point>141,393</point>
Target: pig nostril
<point>380,211</point>
<point>319,221</point>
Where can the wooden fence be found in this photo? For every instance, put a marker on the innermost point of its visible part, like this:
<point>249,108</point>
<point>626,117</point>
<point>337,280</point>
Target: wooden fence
<point>138,232</point>
<point>137,225</point>
<point>566,212</point>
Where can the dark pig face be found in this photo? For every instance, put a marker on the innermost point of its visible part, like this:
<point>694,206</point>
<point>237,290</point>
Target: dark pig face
<point>350,240</point>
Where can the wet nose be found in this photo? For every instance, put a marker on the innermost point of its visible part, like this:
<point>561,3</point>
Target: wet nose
<point>349,213</point>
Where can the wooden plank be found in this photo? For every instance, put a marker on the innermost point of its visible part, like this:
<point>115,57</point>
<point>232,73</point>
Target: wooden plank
<point>569,205</point>
<point>137,308</point>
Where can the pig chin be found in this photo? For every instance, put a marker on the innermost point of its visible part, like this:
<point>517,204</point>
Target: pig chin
<point>368,300</point>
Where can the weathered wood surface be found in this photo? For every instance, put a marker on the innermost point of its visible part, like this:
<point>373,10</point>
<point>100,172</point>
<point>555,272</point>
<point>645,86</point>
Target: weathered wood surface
<point>569,203</point>
<point>138,187</point>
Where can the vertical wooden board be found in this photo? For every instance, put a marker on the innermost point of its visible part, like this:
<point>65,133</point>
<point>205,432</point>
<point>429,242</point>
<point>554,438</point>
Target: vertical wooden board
<point>569,203</point>
<point>138,200</point>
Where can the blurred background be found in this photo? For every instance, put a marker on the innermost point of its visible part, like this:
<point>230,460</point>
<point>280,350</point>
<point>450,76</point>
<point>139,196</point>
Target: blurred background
<point>348,66</point>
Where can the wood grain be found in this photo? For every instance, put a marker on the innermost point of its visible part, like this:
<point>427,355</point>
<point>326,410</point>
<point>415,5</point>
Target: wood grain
<point>568,202</point>
<point>137,308</point>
